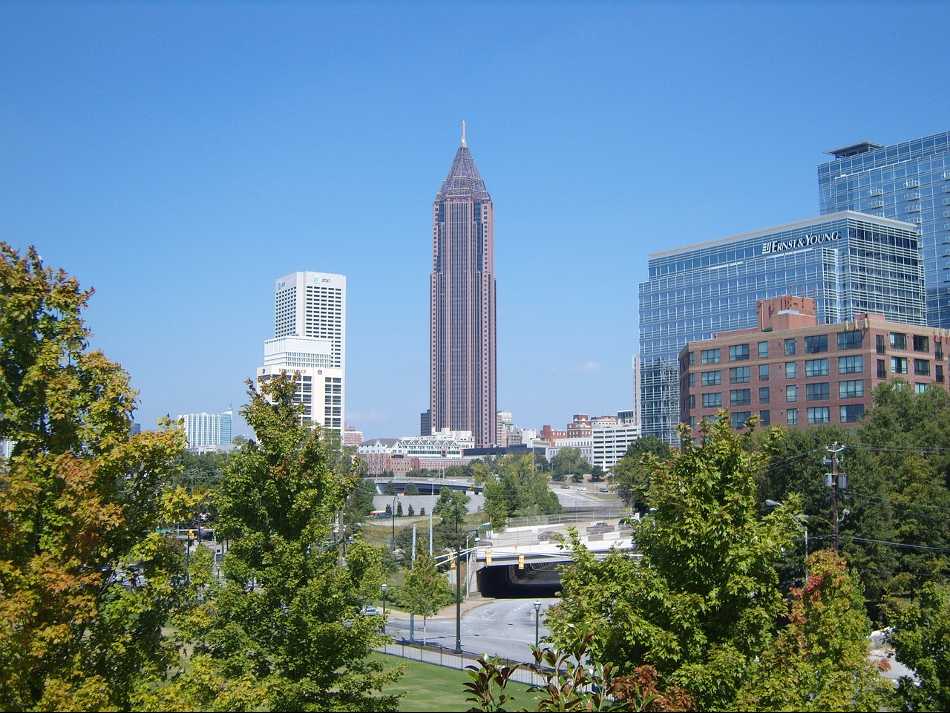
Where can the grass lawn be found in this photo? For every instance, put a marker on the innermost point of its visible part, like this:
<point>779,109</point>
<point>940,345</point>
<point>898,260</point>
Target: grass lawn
<point>428,687</point>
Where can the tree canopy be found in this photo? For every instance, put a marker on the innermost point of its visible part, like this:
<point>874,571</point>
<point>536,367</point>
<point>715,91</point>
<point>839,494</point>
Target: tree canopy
<point>85,581</point>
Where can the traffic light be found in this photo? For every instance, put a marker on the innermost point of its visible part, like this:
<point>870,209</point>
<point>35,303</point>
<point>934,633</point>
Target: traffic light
<point>191,535</point>
<point>452,564</point>
<point>488,557</point>
<point>520,561</point>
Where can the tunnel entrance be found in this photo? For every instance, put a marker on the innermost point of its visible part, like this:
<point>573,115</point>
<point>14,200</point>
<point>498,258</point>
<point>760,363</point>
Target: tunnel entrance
<point>507,581</point>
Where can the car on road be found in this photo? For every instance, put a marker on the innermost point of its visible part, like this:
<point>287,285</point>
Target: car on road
<point>370,610</point>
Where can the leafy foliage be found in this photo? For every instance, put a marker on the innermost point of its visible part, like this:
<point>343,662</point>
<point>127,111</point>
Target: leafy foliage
<point>820,660</point>
<point>85,582</point>
<point>703,600</point>
<point>920,636</point>
<point>425,590</point>
<point>487,687</point>
<point>569,461</point>
<point>285,626</point>
<point>631,473</point>
<point>518,489</point>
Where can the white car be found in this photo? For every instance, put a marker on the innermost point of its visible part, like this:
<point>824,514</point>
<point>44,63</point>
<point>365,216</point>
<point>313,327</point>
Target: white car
<point>371,610</point>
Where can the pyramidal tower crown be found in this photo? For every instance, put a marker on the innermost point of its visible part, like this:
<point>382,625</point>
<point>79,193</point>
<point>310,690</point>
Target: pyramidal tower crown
<point>463,178</point>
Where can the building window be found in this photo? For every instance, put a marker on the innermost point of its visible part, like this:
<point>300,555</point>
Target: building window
<point>938,350</point>
<point>764,394</point>
<point>691,379</point>
<point>898,340</point>
<point>899,365</point>
<point>791,369</point>
<point>881,371</point>
<point>692,401</point>
<point>763,350</point>
<point>712,400</point>
<point>851,413</point>
<point>712,378</point>
<point>851,389</point>
<point>816,367</point>
<point>938,373</point>
<point>739,418</point>
<point>763,372</point>
<point>740,375</point>
<point>851,365</point>
<point>850,340</point>
<point>789,347</point>
<point>880,343</point>
<point>791,416</point>
<point>818,392</point>
<point>738,352</point>
<point>920,388</point>
<point>816,344</point>
<point>819,414</point>
<point>921,343</point>
<point>791,392</point>
<point>691,358</point>
<point>765,417</point>
<point>922,367</point>
<point>740,397</point>
<point>710,356</point>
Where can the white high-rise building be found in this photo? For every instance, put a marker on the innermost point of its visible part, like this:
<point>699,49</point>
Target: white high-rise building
<point>310,341</point>
<point>610,443</point>
<point>207,432</point>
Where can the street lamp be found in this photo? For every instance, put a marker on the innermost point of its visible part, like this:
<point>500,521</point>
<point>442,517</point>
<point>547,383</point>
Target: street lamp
<point>537,621</point>
<point>392,547</point>
<point>801,519</point>
<point>384,587</point>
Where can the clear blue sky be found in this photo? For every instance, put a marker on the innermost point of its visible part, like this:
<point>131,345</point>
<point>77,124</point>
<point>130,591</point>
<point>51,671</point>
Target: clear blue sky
<point>178,158</point>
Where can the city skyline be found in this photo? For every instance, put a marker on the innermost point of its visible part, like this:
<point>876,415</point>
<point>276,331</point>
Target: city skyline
<point>315,153</point>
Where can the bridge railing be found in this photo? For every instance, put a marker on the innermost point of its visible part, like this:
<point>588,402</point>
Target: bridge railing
<point>570,517</point>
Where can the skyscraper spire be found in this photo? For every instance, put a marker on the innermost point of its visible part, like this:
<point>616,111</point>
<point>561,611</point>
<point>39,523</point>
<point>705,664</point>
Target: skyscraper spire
<point>464,142</point>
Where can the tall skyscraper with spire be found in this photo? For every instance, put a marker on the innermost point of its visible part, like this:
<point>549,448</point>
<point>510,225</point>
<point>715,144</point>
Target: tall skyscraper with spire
<point>462,372</point>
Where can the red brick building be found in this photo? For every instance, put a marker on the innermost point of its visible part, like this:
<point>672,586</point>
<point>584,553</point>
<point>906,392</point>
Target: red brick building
<point>792,371</point>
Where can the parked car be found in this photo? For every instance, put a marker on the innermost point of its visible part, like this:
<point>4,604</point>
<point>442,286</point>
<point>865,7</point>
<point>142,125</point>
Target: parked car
<point>370,610</point>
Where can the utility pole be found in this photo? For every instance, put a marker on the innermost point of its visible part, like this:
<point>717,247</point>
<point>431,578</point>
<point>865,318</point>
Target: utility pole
<point>835,480</point>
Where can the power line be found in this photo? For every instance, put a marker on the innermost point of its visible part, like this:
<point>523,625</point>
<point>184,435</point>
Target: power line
<point>902,544</point>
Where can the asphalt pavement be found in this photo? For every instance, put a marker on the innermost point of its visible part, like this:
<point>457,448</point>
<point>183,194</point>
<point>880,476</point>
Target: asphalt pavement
<point>502,627</point>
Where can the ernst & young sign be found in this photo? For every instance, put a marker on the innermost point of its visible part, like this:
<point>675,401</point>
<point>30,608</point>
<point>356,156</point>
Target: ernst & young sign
<point>778,246</point>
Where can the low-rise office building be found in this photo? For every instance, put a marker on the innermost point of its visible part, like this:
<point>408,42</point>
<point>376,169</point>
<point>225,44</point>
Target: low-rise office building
<point>793,371</point>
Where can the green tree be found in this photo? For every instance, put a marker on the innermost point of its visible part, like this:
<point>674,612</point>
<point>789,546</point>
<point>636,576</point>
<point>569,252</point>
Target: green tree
<point>425,590</point>
<point>703,599</point>
<point>399,512</point>
<point>569,461</point>
<point>920,636</point>
<point>85,581</point>
<point>819,662</point>
<point>412,511</point>
<point>796,465</point>
<point>286,619</point>
<point>631,473</point>
<point>451,509</point>
<point>517,489</point>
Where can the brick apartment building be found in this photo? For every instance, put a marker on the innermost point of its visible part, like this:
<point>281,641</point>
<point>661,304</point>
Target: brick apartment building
<point>792,371</point>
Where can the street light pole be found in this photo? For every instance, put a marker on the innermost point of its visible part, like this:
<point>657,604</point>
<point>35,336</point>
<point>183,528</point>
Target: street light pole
<point>392,547</point>
<point>537,621</point>
<point>384,587</point>
<point>458,587</point>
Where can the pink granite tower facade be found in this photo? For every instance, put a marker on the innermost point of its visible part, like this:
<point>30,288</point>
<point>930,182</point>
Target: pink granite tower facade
<point>462,372</point>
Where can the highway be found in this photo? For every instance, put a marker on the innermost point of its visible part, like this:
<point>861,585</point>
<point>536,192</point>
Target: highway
<point>503,627</point>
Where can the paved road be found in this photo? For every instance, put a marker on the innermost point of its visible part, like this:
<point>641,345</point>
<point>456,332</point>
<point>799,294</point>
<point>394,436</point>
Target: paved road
<point>503,627</point>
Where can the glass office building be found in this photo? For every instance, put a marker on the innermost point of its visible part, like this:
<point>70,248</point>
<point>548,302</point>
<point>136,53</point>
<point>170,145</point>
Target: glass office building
<point>909,181</point>
<point>848,262</point>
